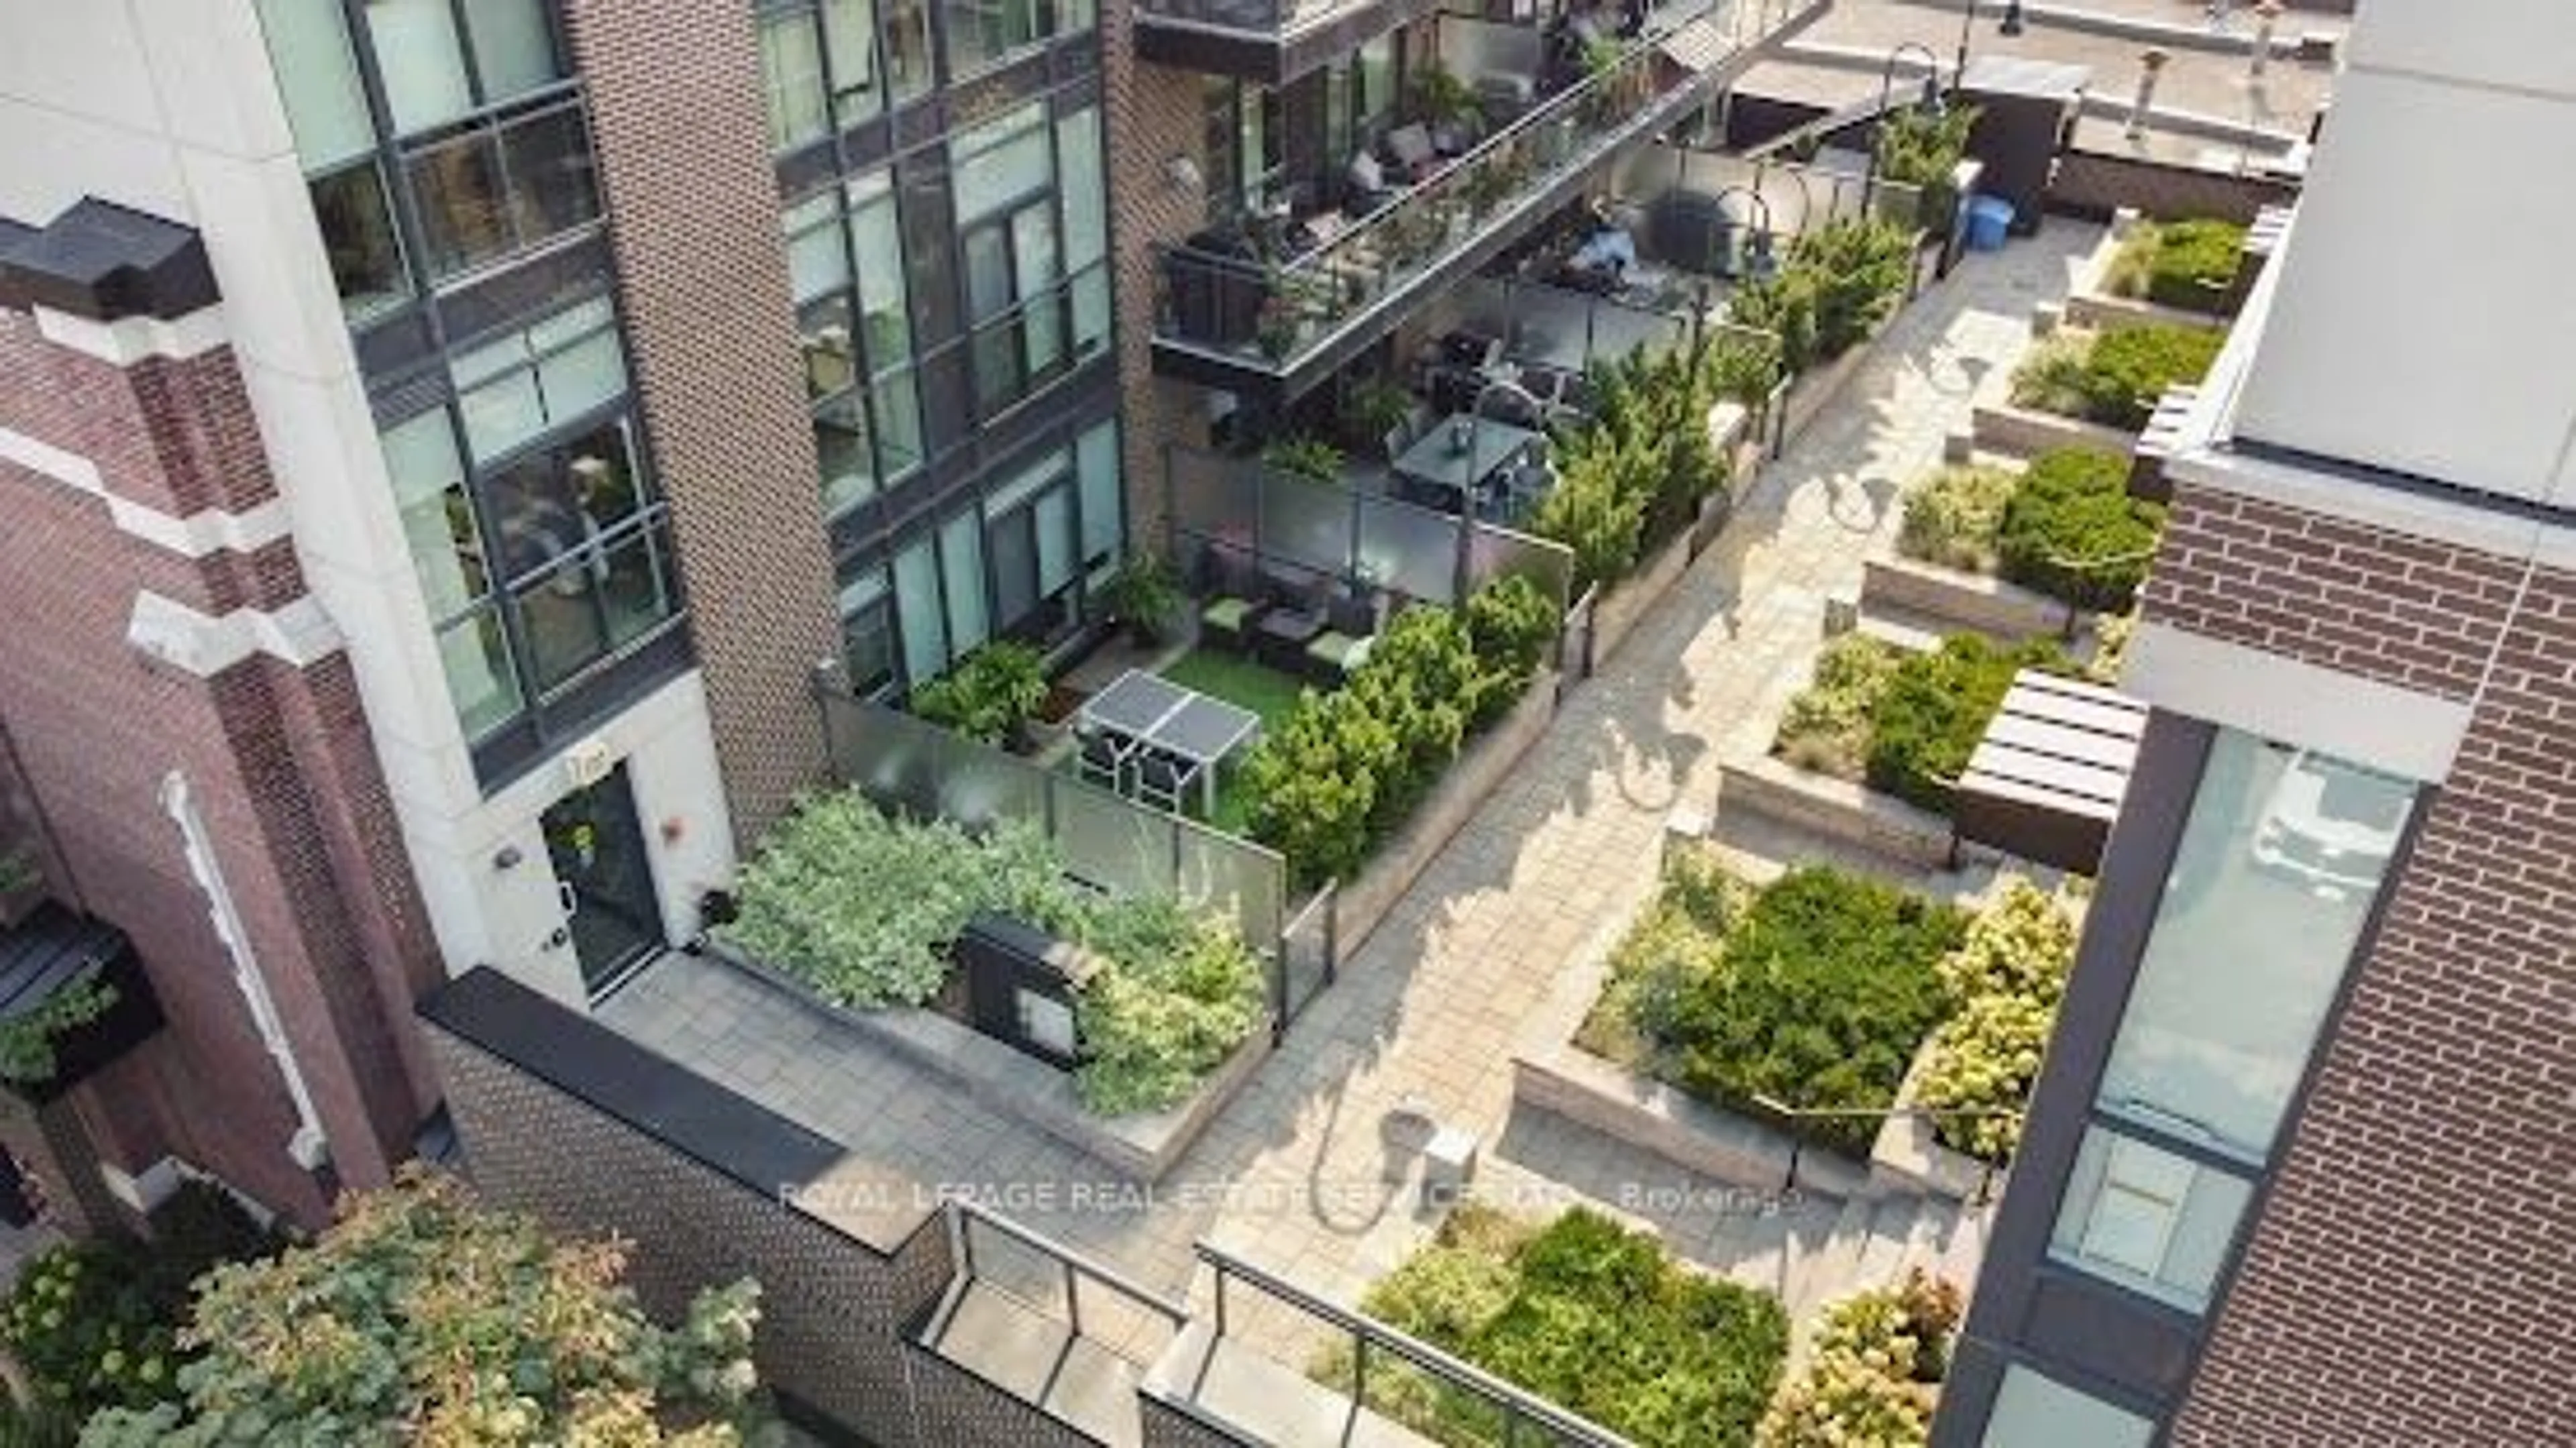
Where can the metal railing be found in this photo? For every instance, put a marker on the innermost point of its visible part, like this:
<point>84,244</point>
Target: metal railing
<point>1276,311</point>
<point>1264,16</point>
<point>1789,1116</point>
<point>1526,1418</point>
<point>1071,1272</point>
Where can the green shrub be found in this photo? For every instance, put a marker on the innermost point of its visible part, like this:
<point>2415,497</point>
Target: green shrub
<point>2004,981</point>
<point>1637,474</point>
<point>95,1324</point>
<point>1819,998</point>
<point>1784,305</point>
<point>865,909</point>
<point>1934,710</point>
<point>2111,633</point>
<point>1826,726</point>
<point>1596,512</point>
<point>28,1039</point>
<point>990,693</point>
<point>2129,368</point>
<point>2072,531</point>
<point>1922,149</point>
<point>1345,768</point>
<point>1587,1314</point>
<point>1862,269</point>
<point>1307,457</point>
<point>1952,520</point>
<point>2052,377</point>
<point>1872,1371</point>
<point>1664,957</point>
<point>2193,264</point>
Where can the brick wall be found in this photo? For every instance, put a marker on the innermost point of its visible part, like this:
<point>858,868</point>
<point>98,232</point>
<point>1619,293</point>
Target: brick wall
<point>2095,183</point>
<point>684,161</point>
<point>2404,1282</point>
<point>278,761</point>
<point>1154,114</point>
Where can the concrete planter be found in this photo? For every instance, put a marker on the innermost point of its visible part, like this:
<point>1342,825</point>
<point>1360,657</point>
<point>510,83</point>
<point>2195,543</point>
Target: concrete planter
<point>1674,1125</point>
<point>1837,809</point>
<point>1616,615</point>
<point>1363,901</point>
<point>2023,432</point>
<point>2102,312</point>
<point>1974,601</point>
<point>1142,1147</point>
<point>1909,1157</point>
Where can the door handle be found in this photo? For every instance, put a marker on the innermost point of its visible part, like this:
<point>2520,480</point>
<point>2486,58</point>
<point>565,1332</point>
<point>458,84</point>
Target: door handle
<point>566,896</point>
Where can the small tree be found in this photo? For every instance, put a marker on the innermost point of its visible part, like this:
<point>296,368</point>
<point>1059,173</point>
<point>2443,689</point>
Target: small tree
<point>423,1318</point>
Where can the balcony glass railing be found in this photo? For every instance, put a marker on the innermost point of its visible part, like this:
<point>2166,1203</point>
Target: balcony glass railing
<point>1268,16</point>
<point>1273,310</point>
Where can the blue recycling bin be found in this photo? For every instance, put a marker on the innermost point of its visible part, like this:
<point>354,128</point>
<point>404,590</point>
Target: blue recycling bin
<point>1990,220</point>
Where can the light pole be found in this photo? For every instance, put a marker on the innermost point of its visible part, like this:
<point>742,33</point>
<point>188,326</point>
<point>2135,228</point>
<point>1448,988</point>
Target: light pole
<point>1931,106</point>
<point>1757,246</point>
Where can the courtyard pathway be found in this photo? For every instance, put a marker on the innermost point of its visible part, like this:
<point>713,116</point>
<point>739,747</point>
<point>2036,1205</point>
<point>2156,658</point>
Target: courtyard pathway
<point>1302,1173</point>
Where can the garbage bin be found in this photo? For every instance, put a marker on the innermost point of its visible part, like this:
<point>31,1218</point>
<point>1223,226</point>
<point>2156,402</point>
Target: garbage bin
<point>1989,221</point>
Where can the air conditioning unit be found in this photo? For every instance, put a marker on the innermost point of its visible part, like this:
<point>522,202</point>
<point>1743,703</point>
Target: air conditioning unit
<point>588,762</point>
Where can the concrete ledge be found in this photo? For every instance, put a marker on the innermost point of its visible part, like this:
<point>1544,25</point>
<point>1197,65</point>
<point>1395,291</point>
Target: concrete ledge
<point>1365,899</point>
<point>2022,432</point>
<point>1909,1157</point>
<point>1142,1147</point>
<point>1217,1391</point>
<point>1837,809</point>
<point>1616,615</point>
<point>2102,312</point>
<point>1976,601</point>
<point>1645,1113</point>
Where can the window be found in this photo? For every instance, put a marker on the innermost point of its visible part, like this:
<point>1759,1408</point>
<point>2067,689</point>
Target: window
<point>593,603</point>
<point>917,608</point>
<point>317,78</point>
<point>961,573</point>
<point>850,59</point>
<point>359,241</point>
<point>867,632</point>
<point>2148,1219</point>
<point>1028,325</point>
<point>447,554</point>
<point>529,381</point>
<point>2279,862</point>
<point>421,45</point>
<point>856,336</point>
<point>1103,514</point>
<point>553,501</point>
<point>791,78</point>
<point>984,32</point>
<point>2033,1410</point>
<point>907,47</point>
<point>497,191</point>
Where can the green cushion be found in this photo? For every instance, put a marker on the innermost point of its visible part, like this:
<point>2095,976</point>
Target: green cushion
<point>1338,649</point>
<point>1226,613</point>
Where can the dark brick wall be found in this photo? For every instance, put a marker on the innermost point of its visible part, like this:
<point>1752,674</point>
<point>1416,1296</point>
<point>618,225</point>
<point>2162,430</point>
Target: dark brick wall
<point>279,761</point>
<point>2404,1282</point>
<point>1154,114</point>
<point>683,152</point>
<point>2096,183</point>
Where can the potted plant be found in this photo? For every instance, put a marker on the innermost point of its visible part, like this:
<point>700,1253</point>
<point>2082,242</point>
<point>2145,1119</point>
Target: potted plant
<point>1142,597</point>
<point>990,695</point>
<point>1309,457</point>
<point>1372,407</point>
<point>1445,100</point>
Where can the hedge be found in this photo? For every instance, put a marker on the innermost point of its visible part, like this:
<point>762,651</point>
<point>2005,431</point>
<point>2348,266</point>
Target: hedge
<point>1594,1317</point>
<point>2190,265</point>
<point>2116,377</point>
<point>1873,1371</point>
<point>1935,709</point>
<point>2071,530</point>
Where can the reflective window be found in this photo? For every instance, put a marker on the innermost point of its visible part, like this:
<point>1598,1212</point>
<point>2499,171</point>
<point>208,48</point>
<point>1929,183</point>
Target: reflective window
<point>317,77</point>
<point>529,381</point>
<point>359,240</point>
<point>1021,237</point>
<point>474,653</point>
<point>438,523</point>
<point>421,46</point>
<point>554,501</point>
<point>2033,1410</point>
<point>2148,1219</point>
<point>845,264</point>
<point>1103,516</point>
<point>791,78</point>
<point>497,191</point>
<point>592,604</point>
<point>514,50</point>
<point>907,47</point>
<point>917,609</point>
<point>984,32</point>
<point>2279,862</point>
<point>867,632</point>
<point>850,59</point>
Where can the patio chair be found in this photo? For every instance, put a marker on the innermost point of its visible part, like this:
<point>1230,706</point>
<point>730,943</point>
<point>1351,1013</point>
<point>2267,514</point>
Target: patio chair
<point>1299,613</point>
<point>1410,154</point>
<point>1164,780</point>
<point>1398,438</point>
<point>1235,602</point>
<point>1351,625</point>
<point>1104,759</point>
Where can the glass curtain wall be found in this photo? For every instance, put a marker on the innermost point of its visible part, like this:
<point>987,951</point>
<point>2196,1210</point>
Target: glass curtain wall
<point>854,327</point>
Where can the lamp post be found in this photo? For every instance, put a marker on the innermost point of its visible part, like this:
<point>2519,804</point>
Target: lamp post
<point>1930,105</point>
<point>1757,246</point>
<point>2010,27</point>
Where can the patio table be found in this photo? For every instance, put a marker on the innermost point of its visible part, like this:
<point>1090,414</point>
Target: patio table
<point>1149,710</point>
<point>1470,472</point>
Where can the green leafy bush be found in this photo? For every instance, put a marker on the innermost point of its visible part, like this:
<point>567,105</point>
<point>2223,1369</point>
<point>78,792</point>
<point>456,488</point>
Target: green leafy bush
<point>1826,727</point>
<point>1935,708</point>
<point>1346,767</point>
<point>1784,305</point>
<point>1636,475</point>
<point>96,1324</point>
<point>989,695</point>
<point>2186,264</point>
<point>1307,457</point>
<point>1840,281</point>
<point>865,909</point>
<point>1873,1373</point>
<point>28,1039</point>
<point>2072,531</point>
<point>2051,378</point>
<point>1595,512</point>
<point>1923,149</point>
<point>1144,595</point>
<point>1589,1315</point>
<point>2004,982</point>
<point>421,1317</point>
<point>1952,519</point>
<point>1665,957</point>
<point>2129,368</point>
<point>1822,993</point>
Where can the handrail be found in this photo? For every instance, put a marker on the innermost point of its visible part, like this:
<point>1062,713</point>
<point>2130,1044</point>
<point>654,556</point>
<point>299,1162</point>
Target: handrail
<point>962,1211</point>
<point>1517,1403</point>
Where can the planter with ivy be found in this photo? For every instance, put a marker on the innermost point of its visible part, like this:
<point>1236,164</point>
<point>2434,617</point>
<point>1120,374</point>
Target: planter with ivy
<point>73,1000</point>
<point>1144,597</point>
<point>991,695</point>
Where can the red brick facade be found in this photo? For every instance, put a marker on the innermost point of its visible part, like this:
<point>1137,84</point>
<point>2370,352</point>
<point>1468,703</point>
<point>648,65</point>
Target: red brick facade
<point>2405,1280</point>
<point>277,759</point>
<point>1155,116</point>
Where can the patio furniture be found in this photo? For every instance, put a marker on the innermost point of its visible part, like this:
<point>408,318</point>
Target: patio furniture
<point>1176,736</point>
<point>1283,634</point>
<point>1410,155</point>
<point>1439,471</point>
<point>1350,626</point>
<point>1236,601</point>
<point>1103,758</point>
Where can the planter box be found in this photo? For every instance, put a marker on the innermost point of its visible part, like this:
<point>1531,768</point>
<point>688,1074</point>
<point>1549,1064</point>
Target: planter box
<point>1815,390</point>
<point>1364,900</point>
<point>1615,616</point>
<point>1632,1107</point>
<point>2022,432</point>
<point>2102,312</point>
<point>1837,809</point>
<point>1143,1147</point>
<point>1974,601</point>
<point>1909,1157</point>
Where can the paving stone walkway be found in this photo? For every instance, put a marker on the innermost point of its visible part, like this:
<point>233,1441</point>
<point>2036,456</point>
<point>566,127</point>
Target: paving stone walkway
<point>1303,1173</point>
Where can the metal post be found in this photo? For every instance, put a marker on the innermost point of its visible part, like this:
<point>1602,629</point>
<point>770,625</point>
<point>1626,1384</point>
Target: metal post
<point>1072,1297</point>
<point>1220,1299</point>
<point>2150,63</point>
<point>2266,17</point>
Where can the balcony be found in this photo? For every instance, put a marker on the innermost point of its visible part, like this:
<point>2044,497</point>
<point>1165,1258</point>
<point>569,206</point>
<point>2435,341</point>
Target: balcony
<point>1268,311</point>
<point>1269,41</point>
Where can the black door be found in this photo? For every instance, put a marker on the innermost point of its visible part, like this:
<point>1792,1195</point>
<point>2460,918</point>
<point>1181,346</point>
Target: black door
<point>598,850</point>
